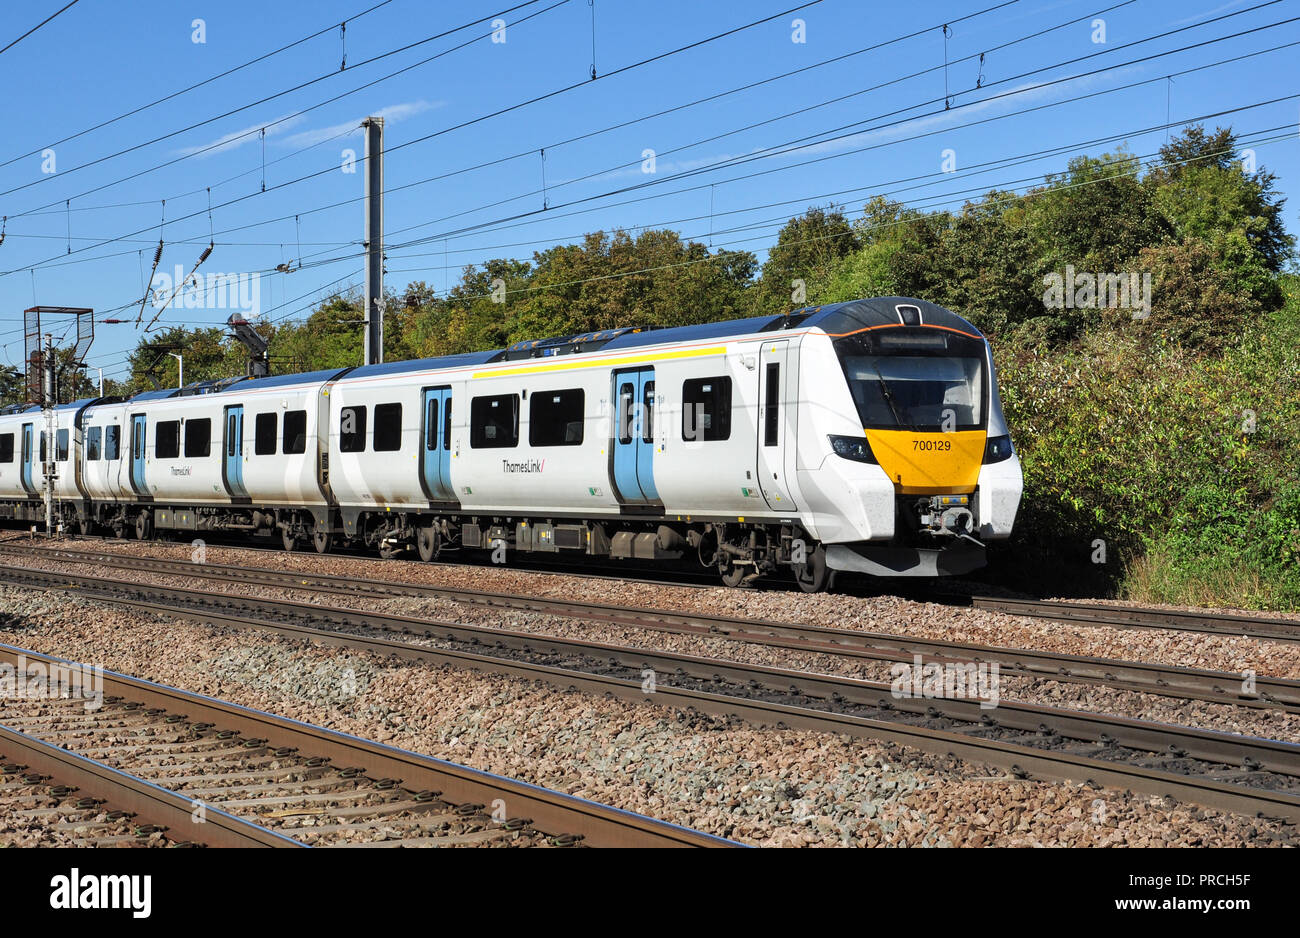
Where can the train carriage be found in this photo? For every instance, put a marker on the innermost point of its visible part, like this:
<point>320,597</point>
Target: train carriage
<point>864,436</point>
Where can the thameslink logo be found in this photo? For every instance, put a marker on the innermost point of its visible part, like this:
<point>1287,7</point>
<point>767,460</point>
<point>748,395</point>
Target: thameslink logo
<point>527,465</point>
<point>958,680</point>
<point>39,680</point>
<point>1095,291</point>
<point>213,291</point>
<point>76,891</point>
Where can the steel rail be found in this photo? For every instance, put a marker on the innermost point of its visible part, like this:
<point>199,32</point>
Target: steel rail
<point>1167,680</point>
<point>151,803</point>
<point>1145,617</point>
<point>554,812</point>
<point>821,702</point>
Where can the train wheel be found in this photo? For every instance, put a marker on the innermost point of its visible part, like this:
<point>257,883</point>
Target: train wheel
<point>426,542</point>
<point>814,576</point>
<point>321,539</point>
<point>289,538</point>
<point>143,526</point>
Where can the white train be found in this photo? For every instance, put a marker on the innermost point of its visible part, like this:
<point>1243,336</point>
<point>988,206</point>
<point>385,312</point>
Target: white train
<point>864,436</point>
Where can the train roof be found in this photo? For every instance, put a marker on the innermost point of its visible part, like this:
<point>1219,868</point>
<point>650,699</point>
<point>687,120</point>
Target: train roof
<point>839,318</point>
<point>424,364</point>
<point>833,318</point>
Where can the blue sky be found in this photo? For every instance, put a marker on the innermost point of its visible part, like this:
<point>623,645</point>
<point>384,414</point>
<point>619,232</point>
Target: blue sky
<point>102,58</point>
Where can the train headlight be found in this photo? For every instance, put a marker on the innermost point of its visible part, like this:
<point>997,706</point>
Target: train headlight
<point>852,447</point>
<point>997,449</point>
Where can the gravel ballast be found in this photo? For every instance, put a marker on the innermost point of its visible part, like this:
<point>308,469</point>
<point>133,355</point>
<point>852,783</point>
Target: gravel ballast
<point>766,787</point>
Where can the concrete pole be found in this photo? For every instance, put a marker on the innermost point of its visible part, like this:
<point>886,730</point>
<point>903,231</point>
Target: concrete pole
<point>374,243</point>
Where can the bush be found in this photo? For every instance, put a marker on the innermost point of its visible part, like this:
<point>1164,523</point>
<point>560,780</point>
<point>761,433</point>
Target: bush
<point>1186,466</point>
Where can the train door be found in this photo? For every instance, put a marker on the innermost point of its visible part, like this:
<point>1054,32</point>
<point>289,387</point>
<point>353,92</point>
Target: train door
<point>232,465</point>
<point>634,428</point>
<point>435,463</point>
<point>28,485</point>
<point>775,424</point>
<point>138,427</point>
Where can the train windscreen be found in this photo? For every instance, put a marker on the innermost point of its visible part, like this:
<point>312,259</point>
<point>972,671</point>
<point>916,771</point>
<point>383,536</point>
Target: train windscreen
<point>923,380</point>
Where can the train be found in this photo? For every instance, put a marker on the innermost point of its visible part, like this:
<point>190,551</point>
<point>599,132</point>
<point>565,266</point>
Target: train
<point>865,436</point>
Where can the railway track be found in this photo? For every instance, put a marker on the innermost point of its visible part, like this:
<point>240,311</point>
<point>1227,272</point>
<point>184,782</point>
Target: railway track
<point>1165,680</point>
<point>1144,617</point>
<point>219,774</point>
<point>1220,770</point>
<point>46,800</point>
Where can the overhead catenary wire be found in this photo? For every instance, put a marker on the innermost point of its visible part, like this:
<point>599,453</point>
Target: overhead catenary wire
<point>175,94</point>
<point>961,196</point>
<point>509,108</point>
<point>226,142</point>
<point>524,216</point>
<point>1199,67</point>
<point>1204,66</point>
<point>209,226</point>
<point>797,143</point>
<point>856,127</point>
<point>47,19</point>
<point>958,195</point>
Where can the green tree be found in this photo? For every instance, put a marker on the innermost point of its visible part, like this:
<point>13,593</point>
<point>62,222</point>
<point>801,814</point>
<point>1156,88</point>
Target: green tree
<point>807,249</point>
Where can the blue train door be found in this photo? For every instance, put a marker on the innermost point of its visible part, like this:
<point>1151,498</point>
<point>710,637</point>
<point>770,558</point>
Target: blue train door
<point>27,459</point>
<point>232,466</point>
<point>435,464</point>
<point>634,426</point>
<point>138,454</point>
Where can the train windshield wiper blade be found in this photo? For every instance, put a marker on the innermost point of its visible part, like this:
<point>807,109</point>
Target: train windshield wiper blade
<point>889,399</point>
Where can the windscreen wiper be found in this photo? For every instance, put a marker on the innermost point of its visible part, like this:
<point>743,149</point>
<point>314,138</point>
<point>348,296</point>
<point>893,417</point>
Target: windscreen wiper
<point>889,399</point>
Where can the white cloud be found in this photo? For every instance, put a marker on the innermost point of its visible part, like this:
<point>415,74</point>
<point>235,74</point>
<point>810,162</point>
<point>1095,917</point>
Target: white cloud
<point>238,138</point>
<point>391,115</point>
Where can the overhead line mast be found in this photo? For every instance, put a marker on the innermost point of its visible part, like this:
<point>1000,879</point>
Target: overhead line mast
<point>374,243</point>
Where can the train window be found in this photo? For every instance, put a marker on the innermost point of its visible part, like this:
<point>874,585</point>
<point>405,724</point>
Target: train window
<point>93,437</point>
<point>62,445</point>
<point>772,405</point>
<point>137,439</point>
<point>446,425</point>
<point>352,430</point>
<point>625,397</point>
<point>555,418</point>
<point>295,431</point>
<point>388,428</point>
<point>431,425</point>
<point>494,421</point>
<point>232,434</point>
<point>706,408</point>
<point>198,437</point>
<point>112,441</point>
<point>264,434</point>
<point>648,413</point>
<point>42,453</point>
<point>167,439</point>
<point>6,447</point>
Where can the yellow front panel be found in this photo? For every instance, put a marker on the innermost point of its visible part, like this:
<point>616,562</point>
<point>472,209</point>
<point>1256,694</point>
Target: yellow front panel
<point>929,463</point>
